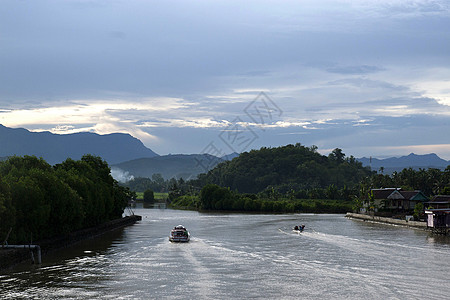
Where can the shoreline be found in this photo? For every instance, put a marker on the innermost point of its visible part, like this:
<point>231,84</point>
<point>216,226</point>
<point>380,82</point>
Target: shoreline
<point>11,257</point>
<point>390,221</point>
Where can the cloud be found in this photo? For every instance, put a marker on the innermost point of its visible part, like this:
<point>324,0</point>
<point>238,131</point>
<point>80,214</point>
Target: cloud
<point>193,123</point>
<point>362,69</point>
<point>370,110</point>
<point>176,73</point>
<point>255,73</point>
<point>98,116</point>
<point>414,9</point>
<point>364,83</point>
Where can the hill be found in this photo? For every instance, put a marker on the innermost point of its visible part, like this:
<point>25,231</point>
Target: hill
<point>412,160</point>
<point>291,167</point>
<point>169,166</point>
<point>230,156</point>
<point>55,148</point>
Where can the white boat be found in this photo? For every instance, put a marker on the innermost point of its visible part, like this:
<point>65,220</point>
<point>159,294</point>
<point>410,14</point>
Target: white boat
<point>179,234</point>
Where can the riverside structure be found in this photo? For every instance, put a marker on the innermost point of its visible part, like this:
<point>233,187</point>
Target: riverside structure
<point>376,219</point>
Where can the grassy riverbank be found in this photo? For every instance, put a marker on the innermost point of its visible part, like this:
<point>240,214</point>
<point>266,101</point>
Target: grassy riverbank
<point>283,205</point>
<point>159,197</point>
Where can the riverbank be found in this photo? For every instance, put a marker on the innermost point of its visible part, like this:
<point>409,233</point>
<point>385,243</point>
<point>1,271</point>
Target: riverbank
<point>11,257</point>
<point>253,204</point>
<point>391,221</point>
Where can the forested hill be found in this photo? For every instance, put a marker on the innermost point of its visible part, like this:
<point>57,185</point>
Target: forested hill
<point>291,167</point>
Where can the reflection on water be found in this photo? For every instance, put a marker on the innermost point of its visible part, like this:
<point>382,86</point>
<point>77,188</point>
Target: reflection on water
<point>142,204</point>
<point>438,239</point>
<point>242,256</point>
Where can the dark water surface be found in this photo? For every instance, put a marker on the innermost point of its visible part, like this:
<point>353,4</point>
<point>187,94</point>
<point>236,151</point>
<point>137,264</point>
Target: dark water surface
<point>236,256</point>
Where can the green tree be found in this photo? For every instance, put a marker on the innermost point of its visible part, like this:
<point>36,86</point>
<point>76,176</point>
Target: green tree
<point>149,196</point>
<point>446,190</point>
<point>158,179</point>
<point>7,210</point>
<point>332,192</point>
<point>122,195</point>
<point>418,211</point>
<point>41,201</point>
<point>284,168</point>
<point>212,194</point>
<point>337,155</point>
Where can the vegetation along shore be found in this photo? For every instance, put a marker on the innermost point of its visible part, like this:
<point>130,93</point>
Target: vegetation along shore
<point>39,202</point>
<point>296,178</point>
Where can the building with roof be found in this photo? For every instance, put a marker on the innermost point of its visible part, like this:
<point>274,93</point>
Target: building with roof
<point>439,201</point>
<point>397,199</point>
<point>438,219</point>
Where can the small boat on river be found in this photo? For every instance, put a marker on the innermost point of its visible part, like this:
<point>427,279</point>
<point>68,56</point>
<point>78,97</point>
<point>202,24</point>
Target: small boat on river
<point>299,229</point>
<point>179,234</point>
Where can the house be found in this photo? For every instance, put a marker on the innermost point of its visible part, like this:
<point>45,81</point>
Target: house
<point>439,219</point>
<point>397,199</point>
<point>439,201</point>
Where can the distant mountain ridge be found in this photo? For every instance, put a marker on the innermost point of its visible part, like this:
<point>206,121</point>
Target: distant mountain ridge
<point>186,166</point>
<point>414,161</point>
<point>55,148</point>
<point>230,156</point>
<point>129,154</point>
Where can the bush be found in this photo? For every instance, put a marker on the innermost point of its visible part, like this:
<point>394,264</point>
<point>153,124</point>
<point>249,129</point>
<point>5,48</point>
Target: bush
<point>185,202</point>
<point>149,196</point>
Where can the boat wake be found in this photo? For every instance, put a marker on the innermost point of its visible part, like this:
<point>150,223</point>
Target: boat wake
<point>289,231</point>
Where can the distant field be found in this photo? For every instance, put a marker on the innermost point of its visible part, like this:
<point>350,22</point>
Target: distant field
<point>159,197</point>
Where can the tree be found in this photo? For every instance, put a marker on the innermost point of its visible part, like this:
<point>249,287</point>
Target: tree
<point>337,155</point>
<point>446,190</point>
<point>40,201</point>
<point>332,192</point>
<point>358,203</point>
<point>7,210</point>
<point>158,179</point>
<point>371,201</point>
<point>418,211</point>
<point>284,168</point>
<point>212,194</point>
<point>149,196</point>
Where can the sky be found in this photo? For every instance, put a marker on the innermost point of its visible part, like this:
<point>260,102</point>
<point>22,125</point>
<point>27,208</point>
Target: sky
<point>369,77</point>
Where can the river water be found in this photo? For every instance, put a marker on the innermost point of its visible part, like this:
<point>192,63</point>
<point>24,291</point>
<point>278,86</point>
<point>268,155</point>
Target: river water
<point>236,256</point>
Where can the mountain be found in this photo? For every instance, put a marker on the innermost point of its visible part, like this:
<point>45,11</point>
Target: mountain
<point>55,148</point>
<point>230,156</point>
<point>412,160</point>
<point>169,166</point>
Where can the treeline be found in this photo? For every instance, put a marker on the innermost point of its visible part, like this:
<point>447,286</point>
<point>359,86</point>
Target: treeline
<point>291,167</point>
<point>157,184</point>
<point>214,197</point>
<point>292,178</point>
<point>39,201</point>
<point>430,181</point>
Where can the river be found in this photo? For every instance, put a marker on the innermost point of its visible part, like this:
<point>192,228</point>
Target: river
<point>236,256</point>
